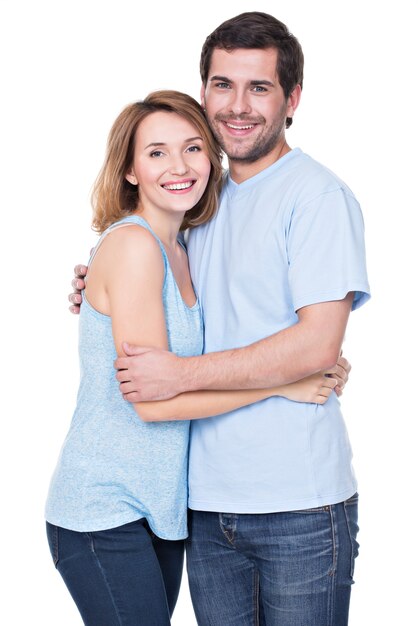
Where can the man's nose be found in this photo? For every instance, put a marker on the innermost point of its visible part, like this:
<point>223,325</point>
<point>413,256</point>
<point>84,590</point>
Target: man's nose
<point>239,103</point>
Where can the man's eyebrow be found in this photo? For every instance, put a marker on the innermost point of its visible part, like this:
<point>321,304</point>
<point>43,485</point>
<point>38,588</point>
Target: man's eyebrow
<point>262,82</point>
<point>225,79</point>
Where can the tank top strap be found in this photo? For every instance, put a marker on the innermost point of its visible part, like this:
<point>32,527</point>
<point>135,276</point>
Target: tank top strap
<point>131,219</point>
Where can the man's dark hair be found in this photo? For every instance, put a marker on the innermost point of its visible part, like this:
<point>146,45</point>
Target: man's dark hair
<point>258,30</point>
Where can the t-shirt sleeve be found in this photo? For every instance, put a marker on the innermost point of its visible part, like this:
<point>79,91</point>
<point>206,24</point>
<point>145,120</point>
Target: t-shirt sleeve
<point>326,251</point>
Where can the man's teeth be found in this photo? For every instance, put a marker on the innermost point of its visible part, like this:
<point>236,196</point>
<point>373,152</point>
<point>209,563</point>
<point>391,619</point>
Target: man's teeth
<point>240,127</point>
<point>178,186</point>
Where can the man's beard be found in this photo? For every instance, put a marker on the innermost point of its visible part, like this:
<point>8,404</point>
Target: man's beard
<point>262,146</point>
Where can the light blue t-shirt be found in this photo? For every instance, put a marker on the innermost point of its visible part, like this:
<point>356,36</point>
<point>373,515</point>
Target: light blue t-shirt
<point>113,468</point>
<point>288,237</point>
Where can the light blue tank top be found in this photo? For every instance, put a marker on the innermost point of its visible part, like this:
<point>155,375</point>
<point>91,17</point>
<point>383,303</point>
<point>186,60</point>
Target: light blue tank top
<point>113,468</point>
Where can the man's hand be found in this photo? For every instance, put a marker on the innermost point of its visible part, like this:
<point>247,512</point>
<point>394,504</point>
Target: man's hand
<point>341,373</point>
<point>148,374</point>
<point>77,284</point>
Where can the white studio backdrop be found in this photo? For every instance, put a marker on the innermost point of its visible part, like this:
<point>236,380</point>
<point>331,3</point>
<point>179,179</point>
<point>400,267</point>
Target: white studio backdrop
<point>67,69</point>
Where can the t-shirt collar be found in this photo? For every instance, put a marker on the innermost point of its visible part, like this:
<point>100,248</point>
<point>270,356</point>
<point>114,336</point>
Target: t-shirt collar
<point>233,187</point>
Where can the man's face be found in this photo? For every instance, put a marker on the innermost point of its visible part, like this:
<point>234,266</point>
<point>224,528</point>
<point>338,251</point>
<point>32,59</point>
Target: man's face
<point>245,103</point>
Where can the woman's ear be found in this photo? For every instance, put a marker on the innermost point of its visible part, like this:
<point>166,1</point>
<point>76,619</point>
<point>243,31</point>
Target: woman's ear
<point>131,178</point>
<point>202,97</point>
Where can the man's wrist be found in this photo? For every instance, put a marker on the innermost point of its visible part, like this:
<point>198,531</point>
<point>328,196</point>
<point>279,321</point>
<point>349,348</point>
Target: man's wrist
<point>209,371</point>
<point>187,374</point>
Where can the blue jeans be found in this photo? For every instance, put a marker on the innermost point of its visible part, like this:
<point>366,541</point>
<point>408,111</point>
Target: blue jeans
<point>278,569</point>
<point>124,576</point>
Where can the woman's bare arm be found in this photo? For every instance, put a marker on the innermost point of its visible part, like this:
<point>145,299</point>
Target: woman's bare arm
<point>129,265</point>
<point>200,404</point>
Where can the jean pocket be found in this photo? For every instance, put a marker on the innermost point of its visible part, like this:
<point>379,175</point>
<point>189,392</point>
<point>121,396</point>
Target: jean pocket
<point>52,535</point>
<point>351,517</point>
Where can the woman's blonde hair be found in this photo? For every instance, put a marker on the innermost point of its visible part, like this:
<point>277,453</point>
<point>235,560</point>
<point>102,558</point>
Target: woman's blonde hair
<point>113,197</point>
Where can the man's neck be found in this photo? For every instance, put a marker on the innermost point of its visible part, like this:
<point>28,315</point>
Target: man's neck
<point>240,171</point>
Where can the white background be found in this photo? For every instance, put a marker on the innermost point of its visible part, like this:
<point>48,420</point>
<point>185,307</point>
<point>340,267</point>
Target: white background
<point>67,69</point>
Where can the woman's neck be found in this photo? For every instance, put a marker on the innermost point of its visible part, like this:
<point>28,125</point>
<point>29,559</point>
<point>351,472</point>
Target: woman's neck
<point>166,225</point>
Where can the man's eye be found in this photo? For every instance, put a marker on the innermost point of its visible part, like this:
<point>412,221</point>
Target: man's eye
<point>222,85</point>
<point>259,89</point>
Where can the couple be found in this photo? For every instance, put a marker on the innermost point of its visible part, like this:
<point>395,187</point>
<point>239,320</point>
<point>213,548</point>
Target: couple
<point>272,497</point>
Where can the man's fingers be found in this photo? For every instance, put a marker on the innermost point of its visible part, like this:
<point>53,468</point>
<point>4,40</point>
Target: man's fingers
<point>131,350</point>
<point>132,397</point>
<point>80,270</point>
<point>127,387</point>
<point>121,363</point>
<point>75,298</point>
<point>122,375</point>
<point>77,283</point>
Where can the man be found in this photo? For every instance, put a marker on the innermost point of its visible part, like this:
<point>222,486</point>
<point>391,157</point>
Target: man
<point>273,499</point>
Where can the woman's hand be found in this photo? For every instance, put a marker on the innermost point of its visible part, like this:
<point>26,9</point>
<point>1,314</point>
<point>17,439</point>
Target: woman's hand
<point>316,388</point>
<point>340,372</point>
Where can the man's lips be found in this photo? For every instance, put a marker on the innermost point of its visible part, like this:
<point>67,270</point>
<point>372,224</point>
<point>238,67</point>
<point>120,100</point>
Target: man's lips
<point>239,128</point>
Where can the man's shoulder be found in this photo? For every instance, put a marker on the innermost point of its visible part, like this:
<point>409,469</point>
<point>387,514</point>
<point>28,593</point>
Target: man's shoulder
<point>310,174</point>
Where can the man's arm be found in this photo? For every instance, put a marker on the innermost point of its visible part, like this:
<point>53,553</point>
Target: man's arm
<point>311,345</point>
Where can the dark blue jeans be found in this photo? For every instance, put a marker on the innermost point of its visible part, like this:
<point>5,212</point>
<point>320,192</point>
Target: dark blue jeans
<point>124,576</point>
<point>278,569</point>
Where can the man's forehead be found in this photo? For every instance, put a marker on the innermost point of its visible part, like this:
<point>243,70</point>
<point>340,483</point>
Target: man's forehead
<point>244,63</point>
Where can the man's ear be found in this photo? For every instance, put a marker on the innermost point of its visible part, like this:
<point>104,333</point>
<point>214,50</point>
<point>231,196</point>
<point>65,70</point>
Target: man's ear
<point>293,101</point>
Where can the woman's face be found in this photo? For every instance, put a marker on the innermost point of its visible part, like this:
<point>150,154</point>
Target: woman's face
<point>171,164</point>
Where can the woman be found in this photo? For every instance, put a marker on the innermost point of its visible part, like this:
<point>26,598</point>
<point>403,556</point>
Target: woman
<point>116,510</point>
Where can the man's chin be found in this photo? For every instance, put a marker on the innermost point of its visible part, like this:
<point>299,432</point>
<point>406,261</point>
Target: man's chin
<point>242,158</point>
<point>237,151</point>
<point>244,154</point>
<point>248,155</point>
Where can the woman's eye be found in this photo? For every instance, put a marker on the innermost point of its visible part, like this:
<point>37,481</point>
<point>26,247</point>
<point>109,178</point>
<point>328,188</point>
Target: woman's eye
<point>156,153</point>
<point>193,149</point>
